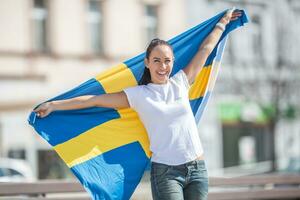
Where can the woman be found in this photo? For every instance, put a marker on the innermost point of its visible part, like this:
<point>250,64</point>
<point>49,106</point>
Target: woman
<point>177,169</point>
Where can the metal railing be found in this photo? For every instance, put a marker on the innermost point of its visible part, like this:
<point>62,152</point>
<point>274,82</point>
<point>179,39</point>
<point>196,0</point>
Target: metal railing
<point>245,187</point>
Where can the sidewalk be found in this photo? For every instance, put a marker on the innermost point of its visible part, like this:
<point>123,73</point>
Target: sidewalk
<point>143,190</point>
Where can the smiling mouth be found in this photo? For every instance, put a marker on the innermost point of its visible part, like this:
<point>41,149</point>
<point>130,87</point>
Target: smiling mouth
<point>162,73</point>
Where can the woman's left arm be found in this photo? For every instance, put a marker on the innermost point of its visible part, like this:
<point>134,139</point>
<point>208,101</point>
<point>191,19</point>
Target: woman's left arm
<point>196,64</point>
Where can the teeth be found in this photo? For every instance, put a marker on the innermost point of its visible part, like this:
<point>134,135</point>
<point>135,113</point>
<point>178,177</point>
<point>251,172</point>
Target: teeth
<point>162,73</point>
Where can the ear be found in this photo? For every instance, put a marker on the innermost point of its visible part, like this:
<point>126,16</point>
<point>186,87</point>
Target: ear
<point>146,62</point>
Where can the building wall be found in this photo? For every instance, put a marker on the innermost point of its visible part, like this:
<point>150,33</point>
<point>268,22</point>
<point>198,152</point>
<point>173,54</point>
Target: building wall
<point>14,25</point>
<point>29,77</point>
<point>250,55</point>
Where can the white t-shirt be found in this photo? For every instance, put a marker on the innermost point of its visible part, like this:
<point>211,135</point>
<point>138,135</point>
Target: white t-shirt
<point>167,116</point>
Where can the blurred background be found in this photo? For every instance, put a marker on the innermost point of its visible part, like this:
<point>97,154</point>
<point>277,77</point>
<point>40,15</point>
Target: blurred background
<point>252,122</point>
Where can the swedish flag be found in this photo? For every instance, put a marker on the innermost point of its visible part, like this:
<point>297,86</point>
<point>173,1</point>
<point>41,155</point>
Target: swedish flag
<point>108,149</point>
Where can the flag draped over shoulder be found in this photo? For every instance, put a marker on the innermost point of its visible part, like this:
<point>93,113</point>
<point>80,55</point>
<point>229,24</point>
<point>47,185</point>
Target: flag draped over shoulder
<point>108,149</point>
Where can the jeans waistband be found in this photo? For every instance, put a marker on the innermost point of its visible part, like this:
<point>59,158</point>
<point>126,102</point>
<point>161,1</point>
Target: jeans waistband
<point>190,163</point>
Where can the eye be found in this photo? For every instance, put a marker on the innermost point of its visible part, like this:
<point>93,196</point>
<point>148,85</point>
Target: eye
<point>156,60</point>
<point>167,61</point>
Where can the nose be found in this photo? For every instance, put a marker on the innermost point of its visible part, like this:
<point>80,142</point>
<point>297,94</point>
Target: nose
<point>163,66</point>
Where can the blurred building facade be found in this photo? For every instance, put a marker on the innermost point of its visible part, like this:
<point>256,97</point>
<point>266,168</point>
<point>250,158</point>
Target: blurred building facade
<point>48,47</point>
<point>259,76</point>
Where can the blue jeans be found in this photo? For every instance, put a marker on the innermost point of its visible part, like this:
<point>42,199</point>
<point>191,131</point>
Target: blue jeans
<point>186,181</point>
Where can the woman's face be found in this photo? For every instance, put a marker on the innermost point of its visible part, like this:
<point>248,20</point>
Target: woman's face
<point>160,63</point>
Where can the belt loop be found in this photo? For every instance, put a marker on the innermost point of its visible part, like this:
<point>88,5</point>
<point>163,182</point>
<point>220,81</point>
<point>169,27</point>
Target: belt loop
<point>196,164</point>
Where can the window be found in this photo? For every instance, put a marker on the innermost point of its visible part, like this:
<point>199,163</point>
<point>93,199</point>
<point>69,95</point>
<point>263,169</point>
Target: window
<point>257,37</point>
<point>13,172</point>
<point>151,22</point>
<point>245,143</point>
<point>50,166</point>
<point>3,172</point>
<point>95,26</point>
<point>229,56</point>
<point>17,153</point>
<point>40,26</point>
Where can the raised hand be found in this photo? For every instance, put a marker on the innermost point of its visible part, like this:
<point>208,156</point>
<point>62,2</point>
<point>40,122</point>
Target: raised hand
<point>44,109</point>
<point>231,15</point>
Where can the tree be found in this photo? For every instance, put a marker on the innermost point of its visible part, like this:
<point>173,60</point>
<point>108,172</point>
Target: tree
<point>274,84</point>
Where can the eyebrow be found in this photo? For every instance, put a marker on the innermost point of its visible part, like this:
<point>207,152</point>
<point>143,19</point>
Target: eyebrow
<point>159,58</point>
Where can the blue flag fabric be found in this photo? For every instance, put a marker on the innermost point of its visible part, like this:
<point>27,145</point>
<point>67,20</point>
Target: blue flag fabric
<point>108,149</point>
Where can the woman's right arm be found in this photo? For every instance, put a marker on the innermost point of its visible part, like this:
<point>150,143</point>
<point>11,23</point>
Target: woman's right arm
<point>112,100</point>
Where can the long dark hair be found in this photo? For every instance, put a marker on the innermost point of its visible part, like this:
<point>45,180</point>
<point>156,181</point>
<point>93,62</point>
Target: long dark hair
<point>146,78</point>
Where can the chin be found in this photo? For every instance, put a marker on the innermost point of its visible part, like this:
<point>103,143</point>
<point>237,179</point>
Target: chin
<point>163,81</point>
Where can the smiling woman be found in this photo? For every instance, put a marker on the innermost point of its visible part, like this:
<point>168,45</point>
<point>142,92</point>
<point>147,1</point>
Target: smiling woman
<point>163,106</point>
<point>159,62</point>
<point>162,103</point>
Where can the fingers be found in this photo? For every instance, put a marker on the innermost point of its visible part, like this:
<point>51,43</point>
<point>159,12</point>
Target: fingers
<point>230,11</point>
<point>40,113</point>
<point>235,15</point>
<point>44,114</point>
<point>37,109</point>
<point>42,110</point>
<point>231,14</point>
